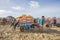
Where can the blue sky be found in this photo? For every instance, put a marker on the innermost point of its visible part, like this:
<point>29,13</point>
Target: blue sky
<point>36,8</point>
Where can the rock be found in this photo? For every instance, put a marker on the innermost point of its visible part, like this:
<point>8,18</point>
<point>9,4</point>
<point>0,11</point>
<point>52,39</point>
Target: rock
<point>8,34</point>
<point>35,35</point>
<point>1,35</point>
<point>43,36</point>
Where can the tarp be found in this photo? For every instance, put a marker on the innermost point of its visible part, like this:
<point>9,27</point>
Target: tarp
<point>25,18</point>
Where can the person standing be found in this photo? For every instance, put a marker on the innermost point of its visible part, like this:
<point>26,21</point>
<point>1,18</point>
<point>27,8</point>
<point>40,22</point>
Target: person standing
<point>28,25</point>
<point>48,22</point>
<point>42,22</point>
<point>54,21</point>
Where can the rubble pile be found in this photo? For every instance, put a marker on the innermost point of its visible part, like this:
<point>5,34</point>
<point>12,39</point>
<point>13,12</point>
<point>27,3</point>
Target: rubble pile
<point>7,33</point>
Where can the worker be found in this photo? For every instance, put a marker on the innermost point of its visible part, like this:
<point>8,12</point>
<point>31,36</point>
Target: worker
<point>42,22</point>
<point>28,25</point>
<point>48,22</point>
<point>21,26</point>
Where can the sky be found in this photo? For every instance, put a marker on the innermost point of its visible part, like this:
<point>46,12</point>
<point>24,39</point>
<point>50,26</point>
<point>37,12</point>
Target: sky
<point>36,8</point>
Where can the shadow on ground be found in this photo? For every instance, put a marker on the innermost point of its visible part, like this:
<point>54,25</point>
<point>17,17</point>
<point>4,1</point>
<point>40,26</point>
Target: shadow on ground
<point>49,31</point>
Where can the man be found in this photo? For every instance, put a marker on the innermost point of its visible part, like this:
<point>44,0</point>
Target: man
<point>48,22</point>
<point>28,25</point>
<point>42,22</point>
<point>54,21</point>
<point>21,26</point>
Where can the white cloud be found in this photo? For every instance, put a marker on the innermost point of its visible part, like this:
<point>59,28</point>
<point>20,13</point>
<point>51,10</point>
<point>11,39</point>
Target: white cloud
<point>18,8</point>
<point>46,11</point>
<point>34,4</point>
<point>5,11</point>
<point>4,1</point>
<point>50,9</point>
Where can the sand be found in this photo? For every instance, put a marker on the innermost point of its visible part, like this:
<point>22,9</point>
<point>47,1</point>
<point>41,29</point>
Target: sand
<point>7,33</point>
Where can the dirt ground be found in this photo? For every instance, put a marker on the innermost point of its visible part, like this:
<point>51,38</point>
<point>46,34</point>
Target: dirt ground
<point>7,33</point>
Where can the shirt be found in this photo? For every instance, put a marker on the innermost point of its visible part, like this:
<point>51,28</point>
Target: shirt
<point>41,21</point>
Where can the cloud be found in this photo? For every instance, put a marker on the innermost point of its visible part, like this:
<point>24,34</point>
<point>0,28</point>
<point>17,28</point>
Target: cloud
<point>18,8</point>
<point>34,4</point>
<point>50,9</point>
<point>4,1</point>
<point>5,11</point>
<point>46,11</point>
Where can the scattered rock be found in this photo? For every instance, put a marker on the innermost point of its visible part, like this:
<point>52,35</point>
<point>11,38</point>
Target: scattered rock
<point>8,34</point>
